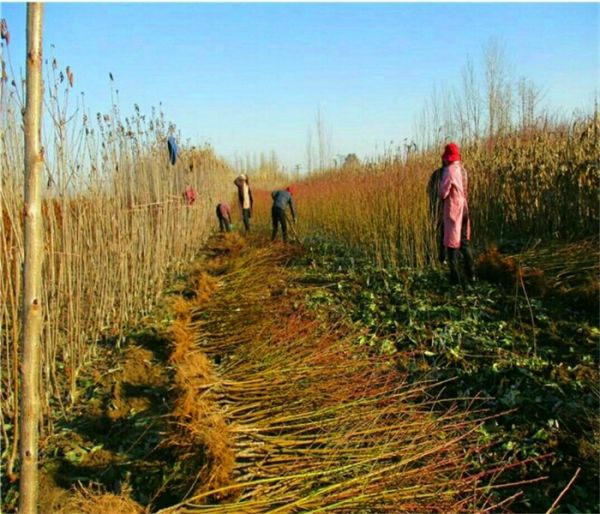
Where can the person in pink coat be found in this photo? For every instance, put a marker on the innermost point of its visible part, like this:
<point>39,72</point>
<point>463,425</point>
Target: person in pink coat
<point>453,191</point>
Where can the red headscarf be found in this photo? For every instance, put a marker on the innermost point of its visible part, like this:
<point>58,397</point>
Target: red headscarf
<point>451,153</point>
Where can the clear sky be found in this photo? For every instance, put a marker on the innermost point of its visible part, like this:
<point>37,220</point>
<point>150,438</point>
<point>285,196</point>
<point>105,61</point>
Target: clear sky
<point>250,77</point>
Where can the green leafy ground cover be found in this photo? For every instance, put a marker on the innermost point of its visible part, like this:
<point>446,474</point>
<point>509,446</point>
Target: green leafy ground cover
<point>533,359</point>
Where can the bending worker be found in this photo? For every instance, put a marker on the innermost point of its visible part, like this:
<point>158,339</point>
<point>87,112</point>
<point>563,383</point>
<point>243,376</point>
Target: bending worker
<point>224,215</point>
<point>281,199</point>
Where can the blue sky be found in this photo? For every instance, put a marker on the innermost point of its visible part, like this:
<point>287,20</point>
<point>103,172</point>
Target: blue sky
<point>250,77</point>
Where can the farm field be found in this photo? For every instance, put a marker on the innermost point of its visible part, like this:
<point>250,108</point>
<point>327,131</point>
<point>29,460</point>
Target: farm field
<point>329,373</point>
<point>162,352</point>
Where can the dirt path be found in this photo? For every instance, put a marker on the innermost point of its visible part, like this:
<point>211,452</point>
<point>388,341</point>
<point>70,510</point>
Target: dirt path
<point>257,400</point>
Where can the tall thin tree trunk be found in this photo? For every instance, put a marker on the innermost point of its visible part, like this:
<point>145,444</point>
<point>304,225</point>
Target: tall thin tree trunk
<point>32,270</point>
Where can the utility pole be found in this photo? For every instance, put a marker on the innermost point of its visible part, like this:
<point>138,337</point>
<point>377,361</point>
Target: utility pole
<point>32,269</point>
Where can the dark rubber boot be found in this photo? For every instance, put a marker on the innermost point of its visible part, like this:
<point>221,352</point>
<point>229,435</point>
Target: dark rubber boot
<point>452,254</point>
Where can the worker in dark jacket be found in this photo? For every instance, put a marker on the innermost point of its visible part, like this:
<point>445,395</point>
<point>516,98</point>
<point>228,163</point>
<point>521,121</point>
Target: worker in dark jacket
<point>281,199</point>
<point>224,215</point>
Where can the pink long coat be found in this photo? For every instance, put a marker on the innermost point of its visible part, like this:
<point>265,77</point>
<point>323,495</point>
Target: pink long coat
<point>454,193</point>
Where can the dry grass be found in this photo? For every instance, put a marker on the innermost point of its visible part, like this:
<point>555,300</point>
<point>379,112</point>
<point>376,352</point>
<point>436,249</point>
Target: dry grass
<point>87,501</point>
<point>199,429</point>
<point>569,271</point>
<point>115,224</point>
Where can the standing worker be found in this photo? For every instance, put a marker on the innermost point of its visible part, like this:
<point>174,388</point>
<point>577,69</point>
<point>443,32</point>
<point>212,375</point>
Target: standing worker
<point>457,225</point>
<point>245,199</point>
<point>224,215</point>
<point>281,199</point>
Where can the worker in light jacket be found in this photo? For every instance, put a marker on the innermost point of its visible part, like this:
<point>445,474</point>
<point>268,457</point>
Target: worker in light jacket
<point>281,199</point>
<point>245,199</point>
<point>457,225</point>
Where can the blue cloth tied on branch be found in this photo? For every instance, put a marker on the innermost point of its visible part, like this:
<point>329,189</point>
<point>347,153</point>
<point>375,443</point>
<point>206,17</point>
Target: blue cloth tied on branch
<point>172,145</point>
